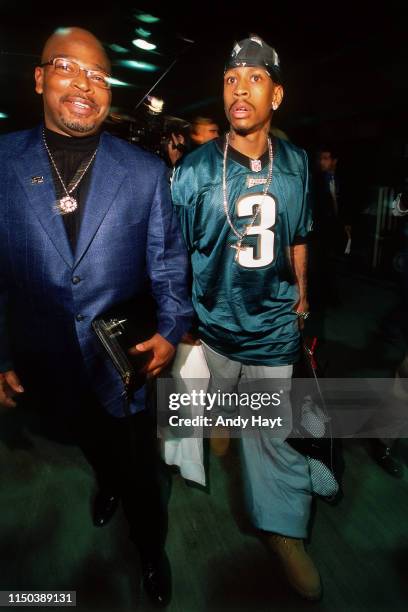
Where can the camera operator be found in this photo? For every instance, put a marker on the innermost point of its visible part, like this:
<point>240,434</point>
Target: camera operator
<point>176,148</point>
<point>202,130</point>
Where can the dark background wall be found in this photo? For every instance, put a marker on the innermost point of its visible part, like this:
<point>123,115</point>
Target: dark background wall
<point>345,65</point>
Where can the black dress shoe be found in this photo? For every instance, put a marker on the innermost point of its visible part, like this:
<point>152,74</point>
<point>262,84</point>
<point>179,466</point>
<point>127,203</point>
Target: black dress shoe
<point>156,576</point>
<point>104,507</point>
<point>389,462</point>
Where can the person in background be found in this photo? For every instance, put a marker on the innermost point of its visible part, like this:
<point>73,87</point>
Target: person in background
<point>331,225</point>
<point>202,130</point>
<point>385,449</point>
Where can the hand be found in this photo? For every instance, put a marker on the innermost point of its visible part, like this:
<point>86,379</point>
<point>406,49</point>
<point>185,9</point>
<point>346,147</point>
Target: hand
<point>173,152</point>
<point>9,387</point>
<point>162,353</point>
<point>347,229</point>
<point>302,306</point>
<point>191,339</point>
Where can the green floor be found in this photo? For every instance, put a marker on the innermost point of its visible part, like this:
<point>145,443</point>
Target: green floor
<point>361,545</point>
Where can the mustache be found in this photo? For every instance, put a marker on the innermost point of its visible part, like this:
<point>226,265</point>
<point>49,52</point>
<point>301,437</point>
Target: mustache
<point>236,103</point>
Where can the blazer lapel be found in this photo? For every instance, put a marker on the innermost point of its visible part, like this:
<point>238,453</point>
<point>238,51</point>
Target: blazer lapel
<point>107,177</point>
<point>34,173</point>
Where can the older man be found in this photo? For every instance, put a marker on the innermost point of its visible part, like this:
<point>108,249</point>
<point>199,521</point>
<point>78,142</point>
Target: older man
<point>243,204</point>
<point>86,223</point>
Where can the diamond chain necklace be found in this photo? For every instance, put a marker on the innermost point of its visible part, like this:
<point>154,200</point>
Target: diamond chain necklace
<point>68,203</point>
<point>241,235</point>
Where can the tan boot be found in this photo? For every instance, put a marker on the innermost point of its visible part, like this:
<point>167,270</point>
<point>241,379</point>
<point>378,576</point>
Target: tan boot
<point>300,570</point>
<point>219,441</point>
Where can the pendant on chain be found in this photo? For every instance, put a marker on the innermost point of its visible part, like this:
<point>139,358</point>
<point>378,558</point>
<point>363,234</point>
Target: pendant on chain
<point>67,204</point>
<point>238,247</point>
<point>256,165</point>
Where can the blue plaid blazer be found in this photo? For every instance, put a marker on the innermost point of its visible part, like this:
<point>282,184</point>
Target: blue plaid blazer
<point>129,240</point>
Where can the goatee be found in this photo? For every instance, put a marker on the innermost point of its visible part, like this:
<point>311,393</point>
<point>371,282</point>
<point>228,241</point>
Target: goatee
<point>242,131</point>
<point>81,128</point>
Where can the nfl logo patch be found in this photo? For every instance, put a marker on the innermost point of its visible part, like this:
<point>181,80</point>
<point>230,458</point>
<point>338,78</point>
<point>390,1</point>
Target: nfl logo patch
<point>256,165</point>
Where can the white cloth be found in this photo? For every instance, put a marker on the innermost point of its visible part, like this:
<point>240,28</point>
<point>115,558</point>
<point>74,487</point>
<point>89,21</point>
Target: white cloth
<point>190,372</point>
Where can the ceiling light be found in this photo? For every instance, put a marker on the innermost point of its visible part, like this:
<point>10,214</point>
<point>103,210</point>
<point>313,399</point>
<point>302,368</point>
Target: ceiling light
<point>117,83</point>
<point>138,65</point>
<point>143,44</point>
<point>142,32</point>
<point>118,48</point>
<point>154,105</point>
<point>147,18</point>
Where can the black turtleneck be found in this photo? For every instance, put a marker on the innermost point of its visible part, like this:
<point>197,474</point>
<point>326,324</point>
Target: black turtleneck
<point>71,154</point>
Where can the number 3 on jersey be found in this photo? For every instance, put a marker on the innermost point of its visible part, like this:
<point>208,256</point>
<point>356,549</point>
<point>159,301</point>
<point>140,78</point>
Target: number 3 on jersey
<point>263,230</point>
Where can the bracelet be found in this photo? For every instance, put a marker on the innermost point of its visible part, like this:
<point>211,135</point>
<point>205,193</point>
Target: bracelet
<point>302,315</point>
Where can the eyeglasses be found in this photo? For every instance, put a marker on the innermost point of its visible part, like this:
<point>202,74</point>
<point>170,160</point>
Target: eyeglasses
<point>70,69</point>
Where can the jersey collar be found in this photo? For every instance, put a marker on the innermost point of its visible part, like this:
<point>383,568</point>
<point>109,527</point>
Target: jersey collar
<point>242,159</point>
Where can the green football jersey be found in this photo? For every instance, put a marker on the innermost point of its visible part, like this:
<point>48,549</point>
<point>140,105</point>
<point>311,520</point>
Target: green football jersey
<point>244,298</point>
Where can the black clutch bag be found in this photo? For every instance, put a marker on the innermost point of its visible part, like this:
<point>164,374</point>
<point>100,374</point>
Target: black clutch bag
<point>119,329</point>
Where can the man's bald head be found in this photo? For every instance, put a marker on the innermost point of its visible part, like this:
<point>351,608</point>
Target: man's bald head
<point>60,37</point>
<point>76,99</point>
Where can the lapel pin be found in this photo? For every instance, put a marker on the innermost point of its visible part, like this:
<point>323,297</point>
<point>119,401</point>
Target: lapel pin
<point>37,180</point>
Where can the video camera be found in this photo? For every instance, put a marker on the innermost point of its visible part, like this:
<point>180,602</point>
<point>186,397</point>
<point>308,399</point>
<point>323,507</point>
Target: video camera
<point>153,130</point>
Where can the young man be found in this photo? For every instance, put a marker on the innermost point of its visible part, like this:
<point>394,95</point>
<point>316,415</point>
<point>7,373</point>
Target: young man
<point>243,205</point>
<point>87,223</point>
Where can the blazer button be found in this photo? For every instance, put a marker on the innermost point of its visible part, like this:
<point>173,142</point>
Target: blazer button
<point>80,317</point>
<point>76,280</point>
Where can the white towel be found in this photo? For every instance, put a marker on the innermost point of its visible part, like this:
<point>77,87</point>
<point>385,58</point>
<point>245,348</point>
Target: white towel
<point>190,372</point>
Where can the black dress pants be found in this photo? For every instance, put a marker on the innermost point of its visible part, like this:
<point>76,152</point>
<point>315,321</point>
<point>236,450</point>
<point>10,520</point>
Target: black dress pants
<point>123,453</point>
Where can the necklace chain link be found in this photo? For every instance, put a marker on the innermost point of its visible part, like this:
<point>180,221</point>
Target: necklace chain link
<point>242,235</point>
<point>68,203</point>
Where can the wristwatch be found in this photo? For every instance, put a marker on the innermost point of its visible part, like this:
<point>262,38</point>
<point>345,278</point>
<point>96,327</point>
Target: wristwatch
<point>302,315</point>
